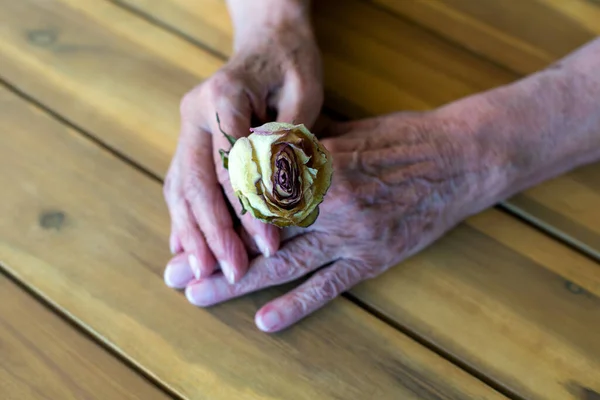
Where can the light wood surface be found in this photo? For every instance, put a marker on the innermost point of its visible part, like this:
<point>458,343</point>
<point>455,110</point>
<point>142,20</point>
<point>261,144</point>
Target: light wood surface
<point>523,35</point>
<point>377,61</point>
<point>455,296</point>
<point>88,233</point>
<point>43,357</point>
<point>524,315</point>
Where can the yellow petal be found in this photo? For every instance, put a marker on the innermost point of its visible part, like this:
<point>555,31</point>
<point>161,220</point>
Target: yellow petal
<point>262,145</point>
<point>257,203</point>
<point>243,171</point>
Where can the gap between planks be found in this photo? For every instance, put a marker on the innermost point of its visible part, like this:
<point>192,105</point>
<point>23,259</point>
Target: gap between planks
<point>72,323</point>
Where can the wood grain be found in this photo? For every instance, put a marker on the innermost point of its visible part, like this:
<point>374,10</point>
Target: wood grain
<point>499,343</point>
<point>88,233</point>
<point>376,62</point>
<point>43,357</point>
<point>523,35</point>
<point>100,67</point>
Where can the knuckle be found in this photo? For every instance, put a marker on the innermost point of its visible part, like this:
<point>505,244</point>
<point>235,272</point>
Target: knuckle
<point>325,288</point>
<point>188,103</point>
<point>282,267</point>
<point>301,303</point>
<point>313,91</point>
<point>310,244</point>
<point>365,265</point>
<point>221,83</point>
<point>191,188</point>
<point>331,145</point>
<point>222,174</point>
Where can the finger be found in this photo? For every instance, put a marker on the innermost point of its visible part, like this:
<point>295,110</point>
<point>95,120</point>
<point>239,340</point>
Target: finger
<point>185,236</point>
<point>174,242</point>
<point>321,288</point>
<point>299,102</point>
<point>178,273</point>
<point>253,250</point>
<point>234,120</point>
<point>208,206</point>
<point>200,258</point>
<point>175,245</point>
<point>296,259</point>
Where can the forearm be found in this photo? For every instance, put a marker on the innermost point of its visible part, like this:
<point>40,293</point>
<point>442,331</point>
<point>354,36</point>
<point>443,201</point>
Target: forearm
<point>254,18</point>
<point>539,127</point>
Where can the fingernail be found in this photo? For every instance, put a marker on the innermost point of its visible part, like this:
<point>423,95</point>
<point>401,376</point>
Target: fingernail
<point>178,275</point>
<point>193,260</point>
<point>202,294</point>
<point>228,271</point>
<point>269,321</point>
<point>173,245</point>
<point>262,245</point>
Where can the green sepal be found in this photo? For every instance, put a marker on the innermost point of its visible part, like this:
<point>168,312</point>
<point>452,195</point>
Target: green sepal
<point>229,138</point>
<point>244,211</point>
<point>224,158</point>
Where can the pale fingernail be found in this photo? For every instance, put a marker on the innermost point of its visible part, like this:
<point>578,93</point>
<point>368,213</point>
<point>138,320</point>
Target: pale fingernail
<point>262,246</point>
<point>202,294</point>
<point>228,272</point>
<point>269,321</point>
<point>178,275</point>
<point>193,260</point>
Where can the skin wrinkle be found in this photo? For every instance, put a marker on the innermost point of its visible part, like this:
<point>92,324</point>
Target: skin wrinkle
<point>285,265</point>
<point>401,180</point>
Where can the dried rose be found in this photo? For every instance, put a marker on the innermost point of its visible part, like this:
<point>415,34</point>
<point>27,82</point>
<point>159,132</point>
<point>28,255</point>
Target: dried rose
<point>280,173</point>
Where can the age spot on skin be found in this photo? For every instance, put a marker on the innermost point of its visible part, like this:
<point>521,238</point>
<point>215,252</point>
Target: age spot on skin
<point>42,37</point>
<point>52,220</point>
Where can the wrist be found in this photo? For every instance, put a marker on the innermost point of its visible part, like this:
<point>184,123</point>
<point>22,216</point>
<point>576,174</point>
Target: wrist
<point>259,21</point>
<point>483,158</point>
<point>532,130</point>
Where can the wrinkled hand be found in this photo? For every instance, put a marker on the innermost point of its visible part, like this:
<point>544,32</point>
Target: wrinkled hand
<point>399,182</point>
<point>277,69</point>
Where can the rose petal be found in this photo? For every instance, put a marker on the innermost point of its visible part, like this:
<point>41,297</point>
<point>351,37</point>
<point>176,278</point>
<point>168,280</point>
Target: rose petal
<point>243,171</point>
<point>310,219</point>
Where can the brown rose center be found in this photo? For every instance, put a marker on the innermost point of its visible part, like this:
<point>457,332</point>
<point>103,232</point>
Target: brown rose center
<point>286,183</point>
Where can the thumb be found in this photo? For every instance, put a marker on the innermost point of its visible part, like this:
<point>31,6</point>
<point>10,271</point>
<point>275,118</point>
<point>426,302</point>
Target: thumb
<point>300,102</point>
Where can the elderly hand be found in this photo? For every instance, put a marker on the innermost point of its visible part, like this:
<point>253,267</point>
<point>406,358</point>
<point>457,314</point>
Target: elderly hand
<point>400,181</point>
<point>276,66</point>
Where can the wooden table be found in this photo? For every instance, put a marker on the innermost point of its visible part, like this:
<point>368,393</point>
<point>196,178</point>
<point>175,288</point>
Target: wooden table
<point>506,306</point>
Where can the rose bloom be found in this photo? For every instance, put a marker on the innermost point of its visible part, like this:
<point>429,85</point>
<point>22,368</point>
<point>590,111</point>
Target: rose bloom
<point>280,173</point>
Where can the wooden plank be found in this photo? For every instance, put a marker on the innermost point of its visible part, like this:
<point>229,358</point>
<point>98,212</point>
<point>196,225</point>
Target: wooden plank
<point>43,357</point>
<point>93,66</point>
<point>374,68</point>
<point>88,232</point>
<point>499,326</point>
<point>506,300</point>
<point>524,35</point>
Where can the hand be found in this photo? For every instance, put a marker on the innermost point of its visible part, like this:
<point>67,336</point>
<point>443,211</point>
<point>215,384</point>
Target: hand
<point>399,182</point>
<point>275,67</point>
